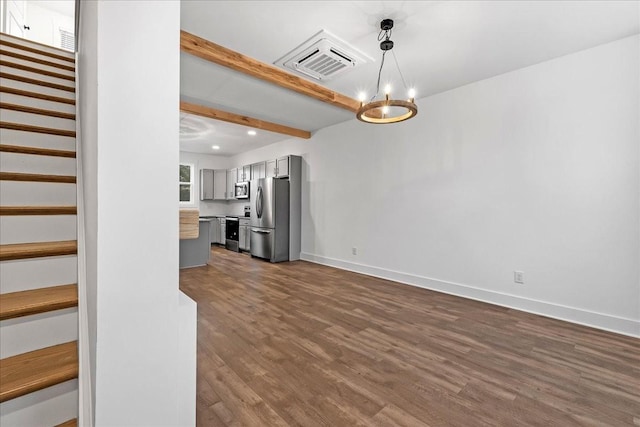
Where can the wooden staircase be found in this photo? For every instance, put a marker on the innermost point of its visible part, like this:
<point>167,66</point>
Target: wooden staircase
<point>38,231</point>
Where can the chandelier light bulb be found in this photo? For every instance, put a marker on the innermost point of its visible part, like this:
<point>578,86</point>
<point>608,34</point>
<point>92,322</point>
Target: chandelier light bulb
<point>412,93</point>
<point>385,110</point>
<point>362,96</point>
<point>387,90</point>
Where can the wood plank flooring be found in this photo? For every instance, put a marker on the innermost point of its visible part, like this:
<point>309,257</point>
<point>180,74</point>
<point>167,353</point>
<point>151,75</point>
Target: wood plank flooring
<point>300,344</point>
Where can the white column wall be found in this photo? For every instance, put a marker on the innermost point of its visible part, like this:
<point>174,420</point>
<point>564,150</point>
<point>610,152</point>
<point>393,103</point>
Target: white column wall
<point>130,122</point>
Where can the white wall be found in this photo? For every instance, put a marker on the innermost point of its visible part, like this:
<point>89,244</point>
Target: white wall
<point>129,133</point>
<point>534,170</point>
<point>45,23</point>
<point>87,152</point>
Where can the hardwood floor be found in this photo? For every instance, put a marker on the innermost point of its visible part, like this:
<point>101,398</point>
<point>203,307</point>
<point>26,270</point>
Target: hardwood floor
<point>304,344</point>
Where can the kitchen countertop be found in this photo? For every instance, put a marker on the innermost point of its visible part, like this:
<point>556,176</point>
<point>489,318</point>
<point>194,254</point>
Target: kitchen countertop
<point>208,218</point>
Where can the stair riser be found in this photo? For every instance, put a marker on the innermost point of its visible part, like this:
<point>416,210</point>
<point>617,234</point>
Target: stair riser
<point>12,116</point>
<point>36,65</point>
<point>29,163</point>
<point>43,330</point>
<point>32,139</point>
<point>24,275</point>
<point>15,193</point>
<point>28,101</point>
<point>36,55</point>
<point>16,84</point>
<point>55,404</point>
<point>27,229</point>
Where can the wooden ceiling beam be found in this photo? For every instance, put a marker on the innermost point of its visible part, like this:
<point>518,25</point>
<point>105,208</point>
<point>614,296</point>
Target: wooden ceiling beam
<point>220,55</point>
<point>226,116</point>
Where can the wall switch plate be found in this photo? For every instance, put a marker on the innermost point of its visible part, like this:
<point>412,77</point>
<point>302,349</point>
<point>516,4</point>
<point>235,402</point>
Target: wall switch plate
<point>518,277</point>
<point>354,251</point>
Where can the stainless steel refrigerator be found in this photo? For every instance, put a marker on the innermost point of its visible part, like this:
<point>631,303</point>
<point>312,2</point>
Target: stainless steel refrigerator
<point>270,219</point>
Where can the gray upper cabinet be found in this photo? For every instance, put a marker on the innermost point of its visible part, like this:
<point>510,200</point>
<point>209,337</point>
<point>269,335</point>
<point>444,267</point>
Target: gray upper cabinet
<point>206,184</point>
<point>278,168</point>
<point>271,169</point>
<point>232,177</point>
<point>282,166</point>
<point>244,173</point>
<point>258,170</point>
<point>220,184</point>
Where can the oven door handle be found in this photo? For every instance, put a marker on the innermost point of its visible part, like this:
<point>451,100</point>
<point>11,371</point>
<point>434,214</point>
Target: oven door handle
<point>256,230</point>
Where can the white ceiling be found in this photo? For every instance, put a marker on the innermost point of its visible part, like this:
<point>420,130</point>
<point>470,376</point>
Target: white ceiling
<point>199,135</point>
<point>440,45</point>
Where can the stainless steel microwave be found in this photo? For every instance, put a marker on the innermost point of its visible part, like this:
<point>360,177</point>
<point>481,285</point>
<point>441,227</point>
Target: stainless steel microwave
<point>242,190</point>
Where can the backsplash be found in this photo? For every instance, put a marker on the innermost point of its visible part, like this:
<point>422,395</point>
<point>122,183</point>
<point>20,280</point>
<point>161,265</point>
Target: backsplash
<point>232,207</point>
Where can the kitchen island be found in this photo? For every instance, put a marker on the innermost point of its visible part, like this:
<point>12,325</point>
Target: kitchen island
<point>195,252</point>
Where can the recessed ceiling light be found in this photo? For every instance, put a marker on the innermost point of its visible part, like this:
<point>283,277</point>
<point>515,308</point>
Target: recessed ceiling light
<point>215,147</point>
<point>251,132</point>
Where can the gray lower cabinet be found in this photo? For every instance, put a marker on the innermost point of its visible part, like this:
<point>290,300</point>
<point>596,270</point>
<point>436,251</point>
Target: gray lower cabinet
<point>244,235</point>
<point>214,231</point>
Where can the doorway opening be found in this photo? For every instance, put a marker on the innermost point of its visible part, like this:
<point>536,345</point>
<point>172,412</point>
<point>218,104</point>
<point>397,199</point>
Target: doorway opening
<point>50,22</point>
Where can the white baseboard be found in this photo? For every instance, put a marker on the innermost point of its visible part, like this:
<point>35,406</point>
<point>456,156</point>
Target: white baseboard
<point>602,321</point>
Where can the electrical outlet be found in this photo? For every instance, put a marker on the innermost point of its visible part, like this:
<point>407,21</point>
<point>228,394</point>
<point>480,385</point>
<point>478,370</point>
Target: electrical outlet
<point>518,277</point>
<point>354,251</point>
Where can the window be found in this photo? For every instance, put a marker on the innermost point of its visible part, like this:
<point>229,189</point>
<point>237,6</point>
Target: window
<point>186,184</point>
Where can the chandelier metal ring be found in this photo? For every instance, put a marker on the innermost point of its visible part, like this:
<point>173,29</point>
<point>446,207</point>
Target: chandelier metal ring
<point>372,111</point>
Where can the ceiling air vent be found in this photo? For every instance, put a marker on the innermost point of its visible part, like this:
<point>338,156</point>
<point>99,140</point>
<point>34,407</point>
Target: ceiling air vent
<point>323,57</point>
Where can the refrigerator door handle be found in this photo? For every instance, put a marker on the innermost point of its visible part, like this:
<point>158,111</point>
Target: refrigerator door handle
<point>257,230</point>
<point>259,202</point>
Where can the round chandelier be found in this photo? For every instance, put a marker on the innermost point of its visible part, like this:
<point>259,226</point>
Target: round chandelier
<point>387,110</point>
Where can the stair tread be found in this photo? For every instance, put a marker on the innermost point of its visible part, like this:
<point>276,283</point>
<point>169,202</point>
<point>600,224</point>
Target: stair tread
<point>25,303</point>
<point>30,58</point>
<point>33,371</point>
<point>23,149</point>
<point>37,210</point>
<point>70,423</point>
<point>34,110</point>
<point>36,177</point>
<point>37,250</point>
<point>37,129</point>
<point>37,95</point>
<point>24,79</point>
<point>37,70</point>
<point>37,51</point>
